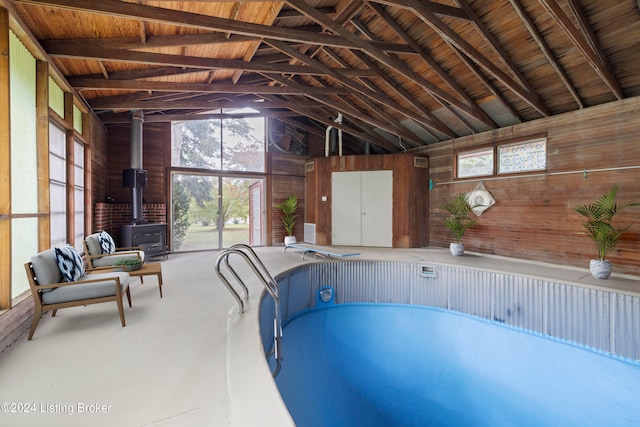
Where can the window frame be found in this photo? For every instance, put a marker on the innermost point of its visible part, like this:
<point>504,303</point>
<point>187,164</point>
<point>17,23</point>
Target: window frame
<point>495,148</point>
<point>471,151</point>
<point>225,142</point>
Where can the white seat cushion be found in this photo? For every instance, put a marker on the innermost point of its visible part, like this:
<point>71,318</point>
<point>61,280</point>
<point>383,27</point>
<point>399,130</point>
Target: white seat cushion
<point>87,291</point>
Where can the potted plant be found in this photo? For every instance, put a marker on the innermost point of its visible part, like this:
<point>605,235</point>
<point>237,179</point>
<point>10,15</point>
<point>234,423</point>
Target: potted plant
<point>131,264</point>
<point>458,221</point>
<point>289,208</point>
<point>598,226</point>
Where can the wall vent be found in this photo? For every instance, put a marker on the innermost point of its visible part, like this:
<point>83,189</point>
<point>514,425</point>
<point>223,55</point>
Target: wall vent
<point>309,233</point>
<point>309,167</point>
<point>421,162</point>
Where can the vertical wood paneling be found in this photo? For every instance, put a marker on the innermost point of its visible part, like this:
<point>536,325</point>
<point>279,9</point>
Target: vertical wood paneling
<point>153,160</point>
<point>410,201</point>
<point>287,178</point>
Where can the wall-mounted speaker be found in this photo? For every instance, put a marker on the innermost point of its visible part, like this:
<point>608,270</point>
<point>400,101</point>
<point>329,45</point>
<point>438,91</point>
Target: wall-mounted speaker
<point>134,178</point>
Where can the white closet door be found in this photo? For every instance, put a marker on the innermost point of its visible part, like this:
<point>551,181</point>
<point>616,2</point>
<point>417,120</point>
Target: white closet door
<point>362,208</point>
<point>377,208</point>
<point>346,209</point>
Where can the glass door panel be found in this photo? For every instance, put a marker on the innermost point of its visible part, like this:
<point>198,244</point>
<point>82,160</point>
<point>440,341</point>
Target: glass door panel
<point>194,210</point>
<point>212,212</point>
<point>237,219</point>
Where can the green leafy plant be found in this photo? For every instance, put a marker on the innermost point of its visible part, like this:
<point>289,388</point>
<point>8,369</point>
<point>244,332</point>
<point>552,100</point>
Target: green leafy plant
<point>289,208</point>
<point>132,262</point>
<point>458,221</point>
<point>599,216</point>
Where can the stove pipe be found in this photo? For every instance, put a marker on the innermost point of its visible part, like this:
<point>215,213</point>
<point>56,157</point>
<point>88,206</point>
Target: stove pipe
<point>138,175</point>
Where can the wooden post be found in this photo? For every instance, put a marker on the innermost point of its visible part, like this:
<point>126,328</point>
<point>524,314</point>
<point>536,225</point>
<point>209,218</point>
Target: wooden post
<point>5,165</point>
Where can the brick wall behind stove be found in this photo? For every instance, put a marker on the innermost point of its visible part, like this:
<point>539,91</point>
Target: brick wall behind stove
<point>110,216</point>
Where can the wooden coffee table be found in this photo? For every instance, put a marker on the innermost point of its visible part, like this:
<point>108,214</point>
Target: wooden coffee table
<point>151,269</point>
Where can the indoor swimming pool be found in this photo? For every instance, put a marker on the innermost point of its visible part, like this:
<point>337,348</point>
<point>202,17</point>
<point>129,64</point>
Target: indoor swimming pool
<point>390,365</point>
<point>414,344</point>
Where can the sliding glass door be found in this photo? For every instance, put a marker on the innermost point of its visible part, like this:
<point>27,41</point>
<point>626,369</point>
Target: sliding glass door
<point>212,212</point>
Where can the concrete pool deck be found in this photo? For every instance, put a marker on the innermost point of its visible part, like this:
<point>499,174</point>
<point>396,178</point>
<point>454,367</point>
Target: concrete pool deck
<point>188,359</point>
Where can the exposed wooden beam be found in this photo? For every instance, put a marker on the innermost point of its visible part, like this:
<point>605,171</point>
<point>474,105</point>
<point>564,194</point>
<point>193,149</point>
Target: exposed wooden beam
<point>192,20</point>
<point>293,122</point>
<point>343,80</point>
<point>485,81</point>
<point>493,43</point>
<point>100,84</point>
<point>597,62</point>
<point>124,103</point>
<point>175,71</point>
<point>427,58</point>
<point>437,8</point>
<point>372,110</point>
<point>387,79</point>
<point>392,62</point>
<point>436,125</point>
<point>175,60</point>
<point>151,42</point>
<point>348,110</point>
<point>448,34</point>
<point>123,118</point>
<point>292,13</point>
<point>546,50</point>
<point>326,121</point>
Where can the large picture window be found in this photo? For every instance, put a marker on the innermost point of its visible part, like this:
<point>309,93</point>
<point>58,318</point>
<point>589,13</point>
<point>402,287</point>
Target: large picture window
<point>230,144</point>
<point>219,203</point>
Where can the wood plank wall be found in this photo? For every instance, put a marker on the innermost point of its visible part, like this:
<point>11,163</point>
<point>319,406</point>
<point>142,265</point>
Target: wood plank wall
<point>154,137</point>
<point>533,217</point>
<point>286,179</point>
<point>410,201</point>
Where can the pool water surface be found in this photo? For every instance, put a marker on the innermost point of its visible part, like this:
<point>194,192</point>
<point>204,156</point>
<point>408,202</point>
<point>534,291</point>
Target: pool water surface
<point>391,365</point>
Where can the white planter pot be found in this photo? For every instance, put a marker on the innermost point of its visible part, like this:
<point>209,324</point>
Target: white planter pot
<point>600,269</point>
<point>456,249</point>
<point>290,240</point>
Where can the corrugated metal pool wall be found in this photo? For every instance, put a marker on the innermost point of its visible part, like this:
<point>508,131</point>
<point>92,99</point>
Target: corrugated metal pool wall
<point>604,320</point>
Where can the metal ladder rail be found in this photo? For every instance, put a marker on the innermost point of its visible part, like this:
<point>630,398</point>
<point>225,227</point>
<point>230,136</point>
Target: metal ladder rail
<point>224,255</point>
<point>269,283</point>
<point>272,282</point>
<point>277,348</point>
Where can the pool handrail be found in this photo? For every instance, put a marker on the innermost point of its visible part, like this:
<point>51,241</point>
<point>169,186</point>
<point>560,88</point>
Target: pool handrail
<point>268,282</point>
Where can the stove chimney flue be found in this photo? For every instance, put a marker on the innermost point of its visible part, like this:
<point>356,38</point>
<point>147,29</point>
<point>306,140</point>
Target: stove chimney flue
<point>136,177</point>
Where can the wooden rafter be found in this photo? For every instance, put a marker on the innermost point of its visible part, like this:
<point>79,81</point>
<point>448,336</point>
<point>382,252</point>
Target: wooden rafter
<point>192,20</point>
<point>448,34</point>
<point>427,58</point>
<point>393,63</point>
<point>99,84</point>
<point>344,80</point>
<point>542,44</point>
<point>364,58</point>
<point>585,42</point>
<point>340,106</point>
<point>124,103</point>
<point>491,41</point>
<point>327,121</point>
<point>175,60</point>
